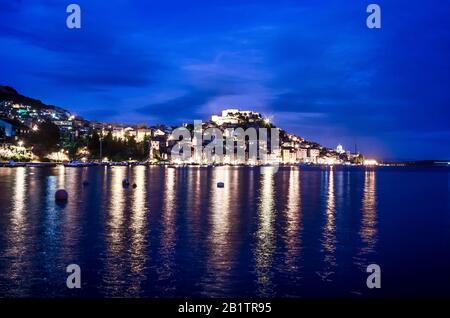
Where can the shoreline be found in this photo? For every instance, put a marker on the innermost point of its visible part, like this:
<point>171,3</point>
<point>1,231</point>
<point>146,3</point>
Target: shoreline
<point>171,165</point>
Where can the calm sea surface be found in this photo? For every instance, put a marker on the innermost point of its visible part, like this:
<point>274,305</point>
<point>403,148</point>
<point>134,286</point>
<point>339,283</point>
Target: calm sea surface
<point>302,232</point>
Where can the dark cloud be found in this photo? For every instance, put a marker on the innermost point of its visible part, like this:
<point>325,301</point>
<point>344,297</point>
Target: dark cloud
<point>96,56</point>
<point>101,113</point>
<point>109,71</point>
<point>185,108</point>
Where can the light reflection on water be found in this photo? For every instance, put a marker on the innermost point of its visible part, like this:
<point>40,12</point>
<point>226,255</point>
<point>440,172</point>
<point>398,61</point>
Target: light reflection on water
<point>220,247</point>
<point>368,230</point>
<point>329,229</point>
<point>194,201</point>
<point>165,269</point>
<point>115,279</point>
<point>177,233</point>
<point>265,240</point>
<point>16,230</point>
<point>293,226</point>
<point>138,257</point>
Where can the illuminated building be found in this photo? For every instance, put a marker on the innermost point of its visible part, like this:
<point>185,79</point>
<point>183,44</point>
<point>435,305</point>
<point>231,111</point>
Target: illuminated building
<point>340,149</point>
<point>370,162</point>
<point>302,154</point>
<point>313,155</point>
<point>13,128</point>
<point>235,116</point>
<point>288,155</point>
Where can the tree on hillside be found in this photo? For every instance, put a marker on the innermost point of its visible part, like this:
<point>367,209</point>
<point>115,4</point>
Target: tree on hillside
<point>45,139</point>
<point>93,145</point>
<point>72,147</point>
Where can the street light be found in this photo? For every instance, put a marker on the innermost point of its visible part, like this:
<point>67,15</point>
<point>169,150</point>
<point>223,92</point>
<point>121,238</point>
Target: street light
<point>20,143</point>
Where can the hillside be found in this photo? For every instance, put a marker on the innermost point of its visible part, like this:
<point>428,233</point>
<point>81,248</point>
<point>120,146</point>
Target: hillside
<point>8,93</point>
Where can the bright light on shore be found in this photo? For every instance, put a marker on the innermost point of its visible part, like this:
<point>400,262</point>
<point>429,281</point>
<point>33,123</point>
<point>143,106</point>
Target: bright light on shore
<point>370,162</point>
<point>58,156</point>
<point>20,143</point>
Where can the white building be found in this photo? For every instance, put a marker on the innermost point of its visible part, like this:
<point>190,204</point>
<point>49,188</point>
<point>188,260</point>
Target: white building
<point>302,154</point>
<point>138,133</point>
<point>235,116</point>
<point>329,160</point>
<point>340,149</point>
<point>289,155</point>
<point>155,149</point>
<point>313,155</point>
<point>159,133</point>
<point>143,132</point>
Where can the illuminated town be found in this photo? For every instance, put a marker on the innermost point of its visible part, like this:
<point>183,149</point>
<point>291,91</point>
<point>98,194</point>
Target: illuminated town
<point>22,121</point>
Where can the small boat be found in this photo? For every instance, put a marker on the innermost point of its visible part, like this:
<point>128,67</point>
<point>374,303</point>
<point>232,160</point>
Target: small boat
<point>77,164</point>
<point>13,164</point>
<point>118,164</point>
<point>41,164</point>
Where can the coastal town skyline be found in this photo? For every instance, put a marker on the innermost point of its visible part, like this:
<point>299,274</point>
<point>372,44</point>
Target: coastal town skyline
<point>33,130</point>
<point>292,149</point>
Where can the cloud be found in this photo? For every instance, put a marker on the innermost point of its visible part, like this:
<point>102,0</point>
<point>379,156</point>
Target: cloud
<point>108,72</point>
<point>93,57</point>
<point>184,108</point>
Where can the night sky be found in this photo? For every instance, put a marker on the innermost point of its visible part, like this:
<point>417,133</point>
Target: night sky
<point>313,66</point>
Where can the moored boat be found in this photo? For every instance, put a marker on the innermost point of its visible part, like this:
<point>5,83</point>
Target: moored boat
<point>78,164</point>
<point>13,164</point>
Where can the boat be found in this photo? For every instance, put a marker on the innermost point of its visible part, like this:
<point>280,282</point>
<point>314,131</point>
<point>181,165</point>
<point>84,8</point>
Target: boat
<point>13,164</point>
<point>78,164</point>
<point>118,164</point>
<point>41,164</point>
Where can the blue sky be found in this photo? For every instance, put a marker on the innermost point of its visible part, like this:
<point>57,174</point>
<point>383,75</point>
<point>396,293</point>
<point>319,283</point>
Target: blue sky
<point>313,66</point>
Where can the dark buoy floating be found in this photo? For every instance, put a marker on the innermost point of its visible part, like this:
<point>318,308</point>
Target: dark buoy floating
<point>134,185</point>
<point>220,184</point>
<point>61,196</point>
<point>125,182</point>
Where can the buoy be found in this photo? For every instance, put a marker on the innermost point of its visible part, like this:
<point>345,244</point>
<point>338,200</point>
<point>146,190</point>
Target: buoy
<point>134,185</point>
<point>220,184</point>
<point>61,196</point>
